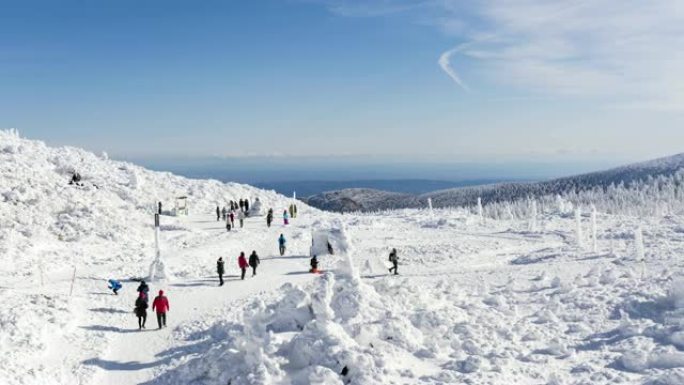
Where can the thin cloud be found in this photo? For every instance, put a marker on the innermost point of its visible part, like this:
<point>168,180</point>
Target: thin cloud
<point>617,52</point>
<point>445,63</point>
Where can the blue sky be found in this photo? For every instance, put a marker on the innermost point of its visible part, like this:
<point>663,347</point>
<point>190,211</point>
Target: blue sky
<point>425,79</point>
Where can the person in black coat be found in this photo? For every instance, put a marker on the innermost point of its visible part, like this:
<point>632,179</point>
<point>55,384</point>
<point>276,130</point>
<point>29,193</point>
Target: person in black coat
<point>269,217</point>
<point>218,213</point>
<point>395,261</point>
<point>220,269</point>
<point>254,261</point>
<point>247,206</point>
<point>144,289</point>
<point>141,310</point>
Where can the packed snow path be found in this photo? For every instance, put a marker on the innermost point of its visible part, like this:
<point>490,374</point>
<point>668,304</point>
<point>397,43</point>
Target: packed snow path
<point>133,355</point>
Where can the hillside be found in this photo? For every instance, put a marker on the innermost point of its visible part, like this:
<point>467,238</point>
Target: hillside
<point>479,300</point>
<point>372,200</point>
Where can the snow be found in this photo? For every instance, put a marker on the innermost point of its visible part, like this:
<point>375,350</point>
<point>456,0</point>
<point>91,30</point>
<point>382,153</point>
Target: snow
<point>499,301</point>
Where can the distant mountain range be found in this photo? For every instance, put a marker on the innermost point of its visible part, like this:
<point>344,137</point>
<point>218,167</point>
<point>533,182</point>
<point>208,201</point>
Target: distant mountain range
<point>305,188</point>
<point>366,199</point>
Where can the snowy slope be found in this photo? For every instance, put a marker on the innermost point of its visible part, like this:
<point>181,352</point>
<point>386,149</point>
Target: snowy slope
<point>102,228</point>
<point>537,298</point>
<point>372,200</point>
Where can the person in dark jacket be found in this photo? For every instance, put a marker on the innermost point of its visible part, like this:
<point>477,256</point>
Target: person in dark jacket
<point>141,310</point>
<point>254,261</point>
<point>218,214</point>
<point>314,265</point>
<point>242,263</point>
<point>241,204</point>
<point>220,269</point>
<point>232,219</point>
<point>223,213</point>
<point>160,208</point>
<point>161,306</point>
<point>269,217</point>
<point>395,261</point>
<point>144,289</point>
<point>247,206</point>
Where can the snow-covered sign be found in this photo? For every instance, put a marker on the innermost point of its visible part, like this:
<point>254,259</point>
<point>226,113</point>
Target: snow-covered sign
<point>181,206</point>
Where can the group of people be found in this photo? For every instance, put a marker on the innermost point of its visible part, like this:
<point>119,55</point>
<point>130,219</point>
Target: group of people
<point>293,210</point>
<point>160,306</point>
<point>235,210</point>
<point>243,264</point>
<point>242,206</point>
<point>286,216</point>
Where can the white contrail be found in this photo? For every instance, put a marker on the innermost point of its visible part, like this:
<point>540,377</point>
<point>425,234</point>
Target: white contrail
<point>445,63</point>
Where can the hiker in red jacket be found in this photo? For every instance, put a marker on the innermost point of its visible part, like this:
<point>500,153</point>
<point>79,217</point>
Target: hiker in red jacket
<point>161,305</point>
<point>242,262</point>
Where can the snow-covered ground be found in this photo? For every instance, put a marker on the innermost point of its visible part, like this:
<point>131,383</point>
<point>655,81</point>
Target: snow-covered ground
<point>480,302</point>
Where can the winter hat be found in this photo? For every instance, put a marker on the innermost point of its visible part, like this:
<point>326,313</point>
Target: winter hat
<point>161,292</point>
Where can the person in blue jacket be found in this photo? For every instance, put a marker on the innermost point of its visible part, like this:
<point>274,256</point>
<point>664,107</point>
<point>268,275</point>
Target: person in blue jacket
<point>115,286</point>
<point>281,243</point>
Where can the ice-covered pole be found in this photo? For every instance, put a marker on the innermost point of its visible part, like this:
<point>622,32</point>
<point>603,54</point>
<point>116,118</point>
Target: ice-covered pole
<point>157,268</point>
<point>578,227</point>
<point>479,209</point>
<point>594,230</point>
<point>639,249</point>
<point>430,205</point>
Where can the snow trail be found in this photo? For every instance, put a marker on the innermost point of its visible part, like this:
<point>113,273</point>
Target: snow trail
<point>136,356</point>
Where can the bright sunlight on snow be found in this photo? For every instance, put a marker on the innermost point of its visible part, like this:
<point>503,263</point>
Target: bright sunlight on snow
<point>543,291</point>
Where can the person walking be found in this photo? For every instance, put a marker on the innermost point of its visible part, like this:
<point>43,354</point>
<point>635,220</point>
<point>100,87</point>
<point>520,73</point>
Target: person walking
<point>254,261</point>
<point>291,208</point>
<point>269,217</point>
<point>285,218</point>
<point>220,269</point>
<point>395,261</point>
<point>294,210</point>
<point>281,244</point>
<point>223,213</point>
<point>161,306</point>
<point>141,310</point>
<point>241,218</point>
<point>247,206</point>
<point>242,262</point>
<point>160,209</point>
<point>144,289</point>
<point>232,219</point>
<point>241,204</point>
<point>218,214</point>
